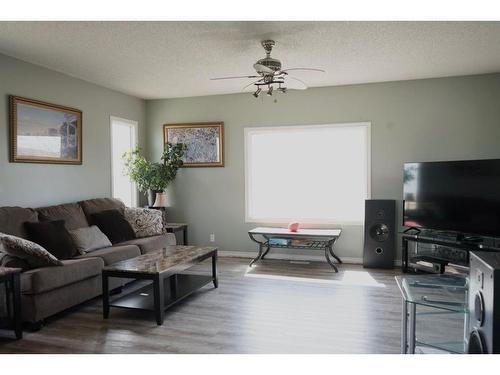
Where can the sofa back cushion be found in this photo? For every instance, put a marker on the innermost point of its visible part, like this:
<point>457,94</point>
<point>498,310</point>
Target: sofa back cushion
<point>71,213</point>
<point>12,220</point>
<point>92,206</point>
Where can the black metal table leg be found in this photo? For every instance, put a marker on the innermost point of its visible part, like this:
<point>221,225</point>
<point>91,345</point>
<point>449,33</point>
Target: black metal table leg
<point>105,296</point>
<point>159,299</point>
<point>214,270</point>
<point>265,252</point>
<point>330,249</point>
<point>261,253</point>
<point>16,305</point>
<point>259,256</point>
<point>404,257</point>
<point>327,256</point>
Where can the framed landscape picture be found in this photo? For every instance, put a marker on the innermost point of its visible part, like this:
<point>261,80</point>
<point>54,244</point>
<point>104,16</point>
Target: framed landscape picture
<point>44,133</point>
<point>204,141</point>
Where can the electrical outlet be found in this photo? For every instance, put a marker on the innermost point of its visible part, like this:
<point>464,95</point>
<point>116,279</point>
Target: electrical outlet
<point>212,237</point>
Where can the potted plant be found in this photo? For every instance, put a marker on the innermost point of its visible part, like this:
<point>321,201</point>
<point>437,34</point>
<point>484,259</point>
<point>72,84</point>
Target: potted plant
<point>154,177</point>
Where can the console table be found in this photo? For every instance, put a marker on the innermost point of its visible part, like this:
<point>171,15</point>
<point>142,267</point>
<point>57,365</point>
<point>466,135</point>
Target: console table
<point>311,239</point>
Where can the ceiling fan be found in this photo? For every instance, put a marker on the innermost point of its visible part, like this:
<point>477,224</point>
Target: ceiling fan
<point>270,75</point>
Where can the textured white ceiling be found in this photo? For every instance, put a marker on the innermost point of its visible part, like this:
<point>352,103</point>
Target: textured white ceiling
<point>177,59</point>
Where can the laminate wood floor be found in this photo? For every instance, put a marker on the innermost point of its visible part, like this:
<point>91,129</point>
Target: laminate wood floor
<point>276,307</point>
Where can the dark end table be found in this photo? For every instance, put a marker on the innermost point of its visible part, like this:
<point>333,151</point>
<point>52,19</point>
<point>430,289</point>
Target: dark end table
<point>10,277</point>
<point>178,227</point>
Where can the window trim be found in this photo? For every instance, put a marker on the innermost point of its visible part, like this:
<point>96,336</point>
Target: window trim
<point>283,221</point>
<point>135,126</point>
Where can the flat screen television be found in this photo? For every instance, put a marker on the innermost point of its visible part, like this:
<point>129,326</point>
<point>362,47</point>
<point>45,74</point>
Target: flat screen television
<point>461,196</point>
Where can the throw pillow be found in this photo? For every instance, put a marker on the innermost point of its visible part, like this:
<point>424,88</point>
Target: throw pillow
<point>145,222</point>
<point>33,254</point>
<point>113,224</point>
<point>88,239</point>
<point>53,236</point>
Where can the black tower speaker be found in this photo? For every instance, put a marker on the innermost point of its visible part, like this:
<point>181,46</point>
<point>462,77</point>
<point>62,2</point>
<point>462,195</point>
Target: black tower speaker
<point>484,303</point>
<point>380,233</point>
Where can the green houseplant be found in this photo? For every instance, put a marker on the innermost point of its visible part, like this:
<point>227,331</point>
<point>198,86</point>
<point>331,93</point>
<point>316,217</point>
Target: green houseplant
<point>154,177</point>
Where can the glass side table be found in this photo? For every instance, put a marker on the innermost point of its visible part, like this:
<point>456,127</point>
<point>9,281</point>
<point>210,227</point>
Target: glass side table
<point>440,304</point>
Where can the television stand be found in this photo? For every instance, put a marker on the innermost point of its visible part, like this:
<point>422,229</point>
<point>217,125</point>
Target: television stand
<point>440,250</point>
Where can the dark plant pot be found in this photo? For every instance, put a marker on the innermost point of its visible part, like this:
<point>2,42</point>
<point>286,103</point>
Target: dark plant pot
<point>152,196</point>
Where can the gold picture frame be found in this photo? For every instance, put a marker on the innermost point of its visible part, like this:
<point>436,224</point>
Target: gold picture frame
<point>44,133</point>
<point>204,141</point>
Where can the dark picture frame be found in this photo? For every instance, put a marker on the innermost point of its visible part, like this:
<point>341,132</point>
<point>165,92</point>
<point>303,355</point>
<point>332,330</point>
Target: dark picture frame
<point>204,141</point>
<point>44,133</point>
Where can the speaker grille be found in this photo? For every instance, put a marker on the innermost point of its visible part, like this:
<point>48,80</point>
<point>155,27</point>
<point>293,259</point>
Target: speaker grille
<point>379,236</point>
<point>379,232</point>
<point>476,343</point>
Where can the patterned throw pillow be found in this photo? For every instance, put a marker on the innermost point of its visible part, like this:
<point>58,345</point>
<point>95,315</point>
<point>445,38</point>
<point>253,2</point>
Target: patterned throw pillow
<point>32,253</point>
<point>144,221</point>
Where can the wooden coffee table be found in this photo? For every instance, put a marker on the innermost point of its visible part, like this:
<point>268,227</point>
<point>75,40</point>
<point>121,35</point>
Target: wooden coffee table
<point>164,268</point>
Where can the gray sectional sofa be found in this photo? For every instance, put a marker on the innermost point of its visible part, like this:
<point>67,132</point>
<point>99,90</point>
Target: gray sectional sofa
<point>49,290</point>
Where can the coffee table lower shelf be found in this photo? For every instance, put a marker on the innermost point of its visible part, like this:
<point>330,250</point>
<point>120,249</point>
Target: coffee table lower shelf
<point>143,298</point>
<point>169,275</point>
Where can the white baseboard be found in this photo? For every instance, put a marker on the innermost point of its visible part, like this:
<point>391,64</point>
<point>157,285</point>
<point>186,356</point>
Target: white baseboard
<point>299,257</point>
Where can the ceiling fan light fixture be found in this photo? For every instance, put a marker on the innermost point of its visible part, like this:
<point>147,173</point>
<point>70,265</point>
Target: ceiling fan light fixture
<point>270,73</point>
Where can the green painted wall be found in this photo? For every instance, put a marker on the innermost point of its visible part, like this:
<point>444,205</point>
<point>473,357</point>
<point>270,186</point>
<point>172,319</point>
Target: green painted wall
<point>43,184</point>
<point>432,119</point>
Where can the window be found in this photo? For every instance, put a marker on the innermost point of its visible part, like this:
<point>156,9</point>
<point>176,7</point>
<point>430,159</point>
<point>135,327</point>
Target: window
<point>313,174</point>
<point>123,139</point>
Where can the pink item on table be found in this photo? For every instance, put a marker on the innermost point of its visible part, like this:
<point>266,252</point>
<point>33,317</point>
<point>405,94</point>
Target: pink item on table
<point>293,227</point>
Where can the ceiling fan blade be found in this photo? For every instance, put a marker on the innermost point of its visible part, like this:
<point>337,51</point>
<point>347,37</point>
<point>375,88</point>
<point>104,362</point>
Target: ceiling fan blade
<point>262,68</point>
<point>307,69</point>
<point>250,84</point>
<point>303,84</point>
<point>234,77</point>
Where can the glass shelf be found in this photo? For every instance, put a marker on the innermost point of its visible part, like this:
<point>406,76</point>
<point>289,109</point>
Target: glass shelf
<point>446,292</point>
<point>438,312</point>
<point>455,347</point>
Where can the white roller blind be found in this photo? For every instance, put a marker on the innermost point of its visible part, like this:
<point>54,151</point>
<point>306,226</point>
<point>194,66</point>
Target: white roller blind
<point>313,174</point>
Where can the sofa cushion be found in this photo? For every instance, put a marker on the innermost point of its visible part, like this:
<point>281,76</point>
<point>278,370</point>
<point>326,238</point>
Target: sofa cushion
<point>71,213</point>
<point>91,206</point>
<point>89,239</point>
<point>10,261</point>
<point>31,252</point>
<point>54,237</point>
<point>144,221</point>
<point>152,243</point>
<point>113,224</point>
<point>114,254</point>
<point>12,220</point>
<point>40,280</point>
